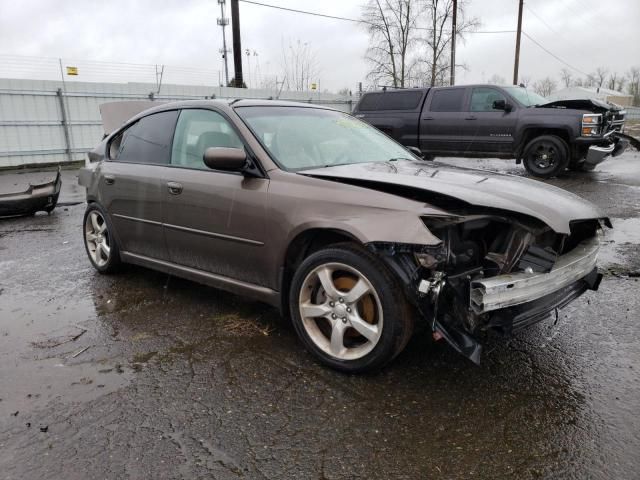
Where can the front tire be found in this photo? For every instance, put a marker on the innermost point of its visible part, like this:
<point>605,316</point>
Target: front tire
<point>99,241</point>
<point>349,310</point>
<point>545,156</point>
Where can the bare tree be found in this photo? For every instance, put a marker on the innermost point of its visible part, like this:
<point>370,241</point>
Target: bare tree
<point>545,87</point>
<point>392,31</point>
<point>600,76</point>
<point>496,79</point>
<point>438,38</point>
<point>299,64</point>
<point>633,84</point>
<point>616,81</point>
<point>567,77</point>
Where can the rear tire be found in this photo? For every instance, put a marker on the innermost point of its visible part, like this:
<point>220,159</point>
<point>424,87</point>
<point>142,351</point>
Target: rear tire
<point>349,310</point>
<point>545,156</point>
<point>99,242</point>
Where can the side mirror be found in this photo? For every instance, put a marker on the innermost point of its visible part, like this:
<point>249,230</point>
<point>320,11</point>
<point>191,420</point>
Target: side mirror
<point>222,158</point>
<point>502,105</point>
<point>416,151</point>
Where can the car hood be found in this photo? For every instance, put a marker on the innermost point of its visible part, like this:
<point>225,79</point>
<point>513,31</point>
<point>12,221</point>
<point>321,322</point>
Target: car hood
<point>591,104</point>
<point>551,205</point>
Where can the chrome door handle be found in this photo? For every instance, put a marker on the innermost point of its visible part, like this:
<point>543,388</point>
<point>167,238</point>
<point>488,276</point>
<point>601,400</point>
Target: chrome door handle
<point>175,188</point>
<point>109,179</point>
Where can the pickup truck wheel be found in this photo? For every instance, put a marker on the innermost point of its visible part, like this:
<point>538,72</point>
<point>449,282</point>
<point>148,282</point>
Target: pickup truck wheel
<point>349,310</point>
<point>545,156</point>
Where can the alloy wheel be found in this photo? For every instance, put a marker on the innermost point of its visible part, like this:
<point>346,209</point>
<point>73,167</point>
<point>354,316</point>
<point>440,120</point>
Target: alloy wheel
<point>341,311</point>
<point>97,238</point>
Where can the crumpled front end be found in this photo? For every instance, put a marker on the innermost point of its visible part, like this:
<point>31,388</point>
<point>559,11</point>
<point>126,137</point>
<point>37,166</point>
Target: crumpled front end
<point>494,273</point>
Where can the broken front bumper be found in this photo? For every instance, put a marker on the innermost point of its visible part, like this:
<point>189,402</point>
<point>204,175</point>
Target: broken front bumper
<point>596,153</point>
<point>514,289</point>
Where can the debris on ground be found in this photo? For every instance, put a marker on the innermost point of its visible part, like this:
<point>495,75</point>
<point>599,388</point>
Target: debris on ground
<point>68,335</point>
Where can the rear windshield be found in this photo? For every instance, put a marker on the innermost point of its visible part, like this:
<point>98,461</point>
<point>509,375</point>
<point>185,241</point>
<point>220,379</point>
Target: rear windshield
<point>405,100</point>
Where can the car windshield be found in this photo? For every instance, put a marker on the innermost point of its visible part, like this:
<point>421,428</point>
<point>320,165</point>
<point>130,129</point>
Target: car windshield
<point>301,138</point>
<point>525,97</point>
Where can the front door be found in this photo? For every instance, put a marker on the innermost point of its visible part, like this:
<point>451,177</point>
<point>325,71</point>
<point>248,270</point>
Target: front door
<point>132,187</point>
<point>215,221</point>
<point>486,129</point>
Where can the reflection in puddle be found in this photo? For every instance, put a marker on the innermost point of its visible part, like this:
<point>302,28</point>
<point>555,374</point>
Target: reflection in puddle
<point>625,233</point>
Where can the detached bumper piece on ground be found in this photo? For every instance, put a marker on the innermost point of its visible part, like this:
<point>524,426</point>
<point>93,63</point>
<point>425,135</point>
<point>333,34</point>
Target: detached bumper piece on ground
<point>41,197</point>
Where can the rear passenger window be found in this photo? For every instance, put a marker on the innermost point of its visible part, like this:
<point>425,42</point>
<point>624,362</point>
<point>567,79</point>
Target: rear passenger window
<point>198,130</point>
<point>448,100</point>
<point>146,141</point>
<point>403,100</point>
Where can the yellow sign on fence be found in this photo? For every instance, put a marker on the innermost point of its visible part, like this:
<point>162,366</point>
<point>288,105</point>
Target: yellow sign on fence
<point>72,70</point>
<point>314,86</point>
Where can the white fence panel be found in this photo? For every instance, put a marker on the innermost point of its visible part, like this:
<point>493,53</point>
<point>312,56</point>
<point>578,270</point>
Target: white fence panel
<point>32,126</point>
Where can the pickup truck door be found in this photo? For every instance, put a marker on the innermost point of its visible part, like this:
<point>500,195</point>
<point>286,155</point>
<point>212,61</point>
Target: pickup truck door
<point>485,129</point>
<point>441,119</point>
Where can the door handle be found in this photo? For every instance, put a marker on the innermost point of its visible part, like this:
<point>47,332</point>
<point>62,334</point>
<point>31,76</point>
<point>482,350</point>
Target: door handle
<point>109,179</point>
<point>428,118</point>
<point>175,188</point>
<point>471,118</point>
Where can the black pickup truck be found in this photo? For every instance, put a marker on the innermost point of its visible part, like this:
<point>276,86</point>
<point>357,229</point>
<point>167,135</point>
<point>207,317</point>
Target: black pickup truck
<point>503,122</point>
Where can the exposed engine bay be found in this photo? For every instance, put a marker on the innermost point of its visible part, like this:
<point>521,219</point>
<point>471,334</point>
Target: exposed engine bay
<point>445,281</point>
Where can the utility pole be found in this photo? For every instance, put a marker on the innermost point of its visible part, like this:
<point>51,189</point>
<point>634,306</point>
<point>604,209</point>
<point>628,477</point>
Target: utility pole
<point>237,47</point>
<point>517,62</point>
<point>454,19</point>
<point>223,22</point>
<point>248,52</point>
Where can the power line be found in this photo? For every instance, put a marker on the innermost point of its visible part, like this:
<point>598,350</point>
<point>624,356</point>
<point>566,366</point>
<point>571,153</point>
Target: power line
<point>553,54</point>
<point>541,20</point>
<point>304,12</point>
<point>352,20</point>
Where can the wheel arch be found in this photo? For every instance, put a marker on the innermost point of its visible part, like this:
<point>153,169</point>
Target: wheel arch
<point>301,246</point>
<point>530,133</point>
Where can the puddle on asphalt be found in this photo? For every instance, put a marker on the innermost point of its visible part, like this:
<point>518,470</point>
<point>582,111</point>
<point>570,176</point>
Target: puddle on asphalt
<point>37,383</point>
<point>625,232</point>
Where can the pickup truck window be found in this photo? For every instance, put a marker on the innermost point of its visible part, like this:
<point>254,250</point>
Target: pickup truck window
<point>405,100</point>
<point>525,97</point>
<point>482,99</point>
<point>449,100</point>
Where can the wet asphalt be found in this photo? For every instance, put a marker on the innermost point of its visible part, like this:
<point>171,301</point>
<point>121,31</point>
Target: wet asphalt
<point>142,375</point>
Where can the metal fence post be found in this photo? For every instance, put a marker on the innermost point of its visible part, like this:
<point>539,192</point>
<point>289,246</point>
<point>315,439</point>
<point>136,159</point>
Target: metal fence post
<point>65,124</point>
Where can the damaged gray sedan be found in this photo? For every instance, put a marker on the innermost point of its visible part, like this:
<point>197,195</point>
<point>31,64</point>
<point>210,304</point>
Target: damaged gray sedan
<point>346,231</point>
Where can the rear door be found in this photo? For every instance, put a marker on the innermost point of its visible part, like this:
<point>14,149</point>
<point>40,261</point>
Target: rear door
<point>441,119</point>
<point>394,112</point>
<point>215,221</point>
<point>132,187</point>
<point>488,130</point>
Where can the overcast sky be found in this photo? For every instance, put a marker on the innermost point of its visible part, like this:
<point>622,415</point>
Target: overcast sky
<point>585,33</point>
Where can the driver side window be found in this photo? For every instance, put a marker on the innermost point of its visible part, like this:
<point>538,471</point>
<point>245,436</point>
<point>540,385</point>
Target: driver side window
<point>482,99</point>
<point>198,130</point>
